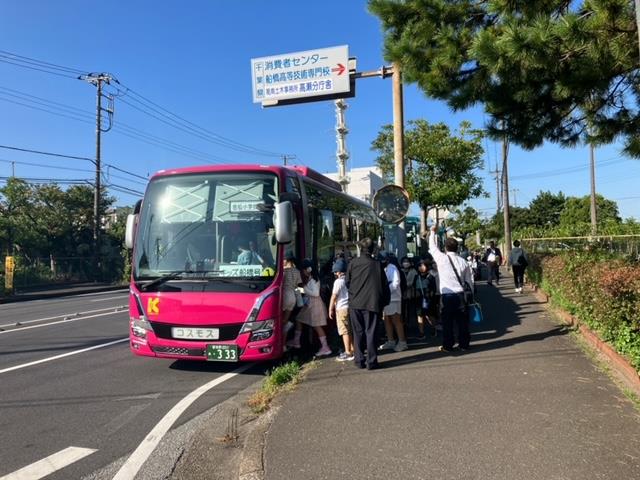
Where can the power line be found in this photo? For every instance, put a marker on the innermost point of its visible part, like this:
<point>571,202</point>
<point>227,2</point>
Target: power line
<point>566,170</point>
<point>37,69</point>
<point>45,110</point>
<point>176,121</point>
<point>121,128</point>
<point>40,152</point>
<point>22,58</point>
<point>45,166</point>
<point>119,177</point>
<point>123,189</point>
<point>181,123</point>
<point>51,180</point>
<point>51,154</point>
<point>125,171</point>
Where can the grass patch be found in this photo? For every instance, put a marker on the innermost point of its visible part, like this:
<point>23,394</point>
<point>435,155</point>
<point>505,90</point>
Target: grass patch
<point>282,378</point>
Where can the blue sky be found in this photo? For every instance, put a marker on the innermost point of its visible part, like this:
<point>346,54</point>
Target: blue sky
<point>193,58</point>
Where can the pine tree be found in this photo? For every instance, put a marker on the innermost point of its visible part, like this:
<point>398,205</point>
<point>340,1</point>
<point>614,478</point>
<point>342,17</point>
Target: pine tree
<point>564,71</point>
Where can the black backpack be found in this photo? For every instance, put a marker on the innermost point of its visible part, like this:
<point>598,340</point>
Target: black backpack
<point>521,261</point>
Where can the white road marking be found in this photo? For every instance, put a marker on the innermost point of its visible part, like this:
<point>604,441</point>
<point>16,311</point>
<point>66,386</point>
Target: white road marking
<point>62,315</point>
<point>98,293</point>
<point>133,464</point>
<point>109,298</point>
<point>52,463</point>
<point>75,319</point>
<point>68,354</point>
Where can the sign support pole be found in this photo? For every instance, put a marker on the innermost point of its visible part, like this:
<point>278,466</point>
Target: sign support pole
<point>398,150</point>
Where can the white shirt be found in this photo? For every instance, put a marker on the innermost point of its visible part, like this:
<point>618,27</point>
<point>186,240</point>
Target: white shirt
<point>341,293</point>
<point>393,277</point>
<point>448,281</point>
<point>312,288</point>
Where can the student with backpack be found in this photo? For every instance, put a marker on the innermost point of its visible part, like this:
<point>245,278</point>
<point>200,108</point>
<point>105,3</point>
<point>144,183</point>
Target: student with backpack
<point>519,263</point>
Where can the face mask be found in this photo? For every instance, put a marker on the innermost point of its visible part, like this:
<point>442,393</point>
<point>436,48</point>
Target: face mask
<point>309,269</point>
<point>406,265</point>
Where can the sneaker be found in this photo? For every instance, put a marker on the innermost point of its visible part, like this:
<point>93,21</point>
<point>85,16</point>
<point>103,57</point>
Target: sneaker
<point>401,347</point>
<point>324,352</point>
<point>344,357</point>
<point>388,345</point>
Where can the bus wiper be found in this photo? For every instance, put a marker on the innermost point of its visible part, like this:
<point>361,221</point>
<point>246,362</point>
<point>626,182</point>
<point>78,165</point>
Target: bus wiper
<point>163,279</point>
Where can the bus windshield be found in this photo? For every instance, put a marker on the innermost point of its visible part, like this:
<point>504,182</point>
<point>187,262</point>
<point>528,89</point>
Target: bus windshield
<point>212,229</point>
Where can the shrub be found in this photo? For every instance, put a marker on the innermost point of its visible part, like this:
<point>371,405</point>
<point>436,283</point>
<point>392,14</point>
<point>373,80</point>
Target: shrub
<point>599,290</point>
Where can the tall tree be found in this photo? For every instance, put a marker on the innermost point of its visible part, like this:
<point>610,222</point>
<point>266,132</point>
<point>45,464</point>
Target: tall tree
<point>440,166</point>
<point>546,208</point>
<point>558,70</point>
<point>465,222</point>
<point>520,219</point>
<point>576,211</point>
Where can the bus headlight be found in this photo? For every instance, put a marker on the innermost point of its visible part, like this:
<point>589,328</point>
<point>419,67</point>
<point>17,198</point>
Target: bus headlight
<point>140,327</point>
<point>260,330</point>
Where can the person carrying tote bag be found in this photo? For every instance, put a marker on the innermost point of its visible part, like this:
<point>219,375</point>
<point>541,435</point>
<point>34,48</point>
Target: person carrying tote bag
<point>474,310</point>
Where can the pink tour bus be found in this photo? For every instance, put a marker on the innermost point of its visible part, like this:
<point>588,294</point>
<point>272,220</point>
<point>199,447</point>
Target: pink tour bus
<point>208,246</point>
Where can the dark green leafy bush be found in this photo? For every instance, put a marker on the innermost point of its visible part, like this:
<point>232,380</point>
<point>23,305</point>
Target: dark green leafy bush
<point>601,291</point>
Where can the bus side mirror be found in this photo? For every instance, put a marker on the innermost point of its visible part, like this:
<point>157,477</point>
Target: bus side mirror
<point>129,230</point>
<point>283,222</point>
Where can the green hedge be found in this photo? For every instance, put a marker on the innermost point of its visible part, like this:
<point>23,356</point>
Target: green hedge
<point>601,291</point>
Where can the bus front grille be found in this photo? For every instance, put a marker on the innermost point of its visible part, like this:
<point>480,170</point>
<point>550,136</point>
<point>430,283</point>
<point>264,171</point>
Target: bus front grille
<point>187,352</point>
<point>226,332</point>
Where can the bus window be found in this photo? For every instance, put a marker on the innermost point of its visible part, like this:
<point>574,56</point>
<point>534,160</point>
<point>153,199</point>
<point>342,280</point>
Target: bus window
<point>293,185</point>
<point>324,241</point>
<point>343,243</point>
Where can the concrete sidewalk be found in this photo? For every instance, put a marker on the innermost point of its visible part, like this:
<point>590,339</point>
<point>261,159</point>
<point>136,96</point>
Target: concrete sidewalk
<point>524,403</point>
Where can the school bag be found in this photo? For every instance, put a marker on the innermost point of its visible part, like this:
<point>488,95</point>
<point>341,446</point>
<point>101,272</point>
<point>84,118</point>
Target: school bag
<point>521,260</point>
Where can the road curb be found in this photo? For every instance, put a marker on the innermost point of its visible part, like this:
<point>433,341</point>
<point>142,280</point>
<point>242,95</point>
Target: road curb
<point>624,370</point>
<point>252,464</point>
<point>25,297</point>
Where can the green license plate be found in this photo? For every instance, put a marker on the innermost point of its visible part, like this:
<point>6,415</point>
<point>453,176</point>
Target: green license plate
<point>222,353</point>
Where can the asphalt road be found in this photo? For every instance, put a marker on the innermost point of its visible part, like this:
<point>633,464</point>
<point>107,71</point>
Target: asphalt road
<point>67,379</point>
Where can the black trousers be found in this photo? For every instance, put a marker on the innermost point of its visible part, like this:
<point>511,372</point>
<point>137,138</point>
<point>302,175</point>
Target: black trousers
<point>453,313</point>
<point>493,272</point>
<point>518,275</point>
<point>365,336</point>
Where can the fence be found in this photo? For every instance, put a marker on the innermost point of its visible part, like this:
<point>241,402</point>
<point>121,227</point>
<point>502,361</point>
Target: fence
<point>33,272</point>
<point>618,245</point>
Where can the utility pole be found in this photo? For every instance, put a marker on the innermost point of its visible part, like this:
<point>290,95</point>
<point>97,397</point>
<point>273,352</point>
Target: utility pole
<point>398,149</point>
<point>98,79</point>
<point>341,153</point>
<point>286,158</point>
<point>592,171</point>
<point>13,169</point>
<point>515,201</point>
<point>496,176</point>
<point>505,194</point>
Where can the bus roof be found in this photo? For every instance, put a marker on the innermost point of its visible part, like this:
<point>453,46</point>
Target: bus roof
<point>299,169</point>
